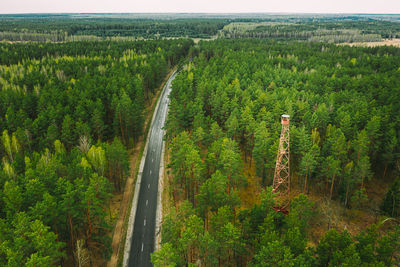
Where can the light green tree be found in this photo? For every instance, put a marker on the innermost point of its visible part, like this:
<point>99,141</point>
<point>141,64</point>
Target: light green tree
<point>165,257</point>
<point>97,158</point>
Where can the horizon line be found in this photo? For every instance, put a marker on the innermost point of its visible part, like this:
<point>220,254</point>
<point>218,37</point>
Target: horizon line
<point>210,13</point>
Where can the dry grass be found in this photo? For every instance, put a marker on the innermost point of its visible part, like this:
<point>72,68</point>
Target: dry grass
<point>388,42</point>
<point>330,213</point>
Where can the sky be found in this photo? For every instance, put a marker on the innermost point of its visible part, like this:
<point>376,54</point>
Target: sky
<point>200,6</point>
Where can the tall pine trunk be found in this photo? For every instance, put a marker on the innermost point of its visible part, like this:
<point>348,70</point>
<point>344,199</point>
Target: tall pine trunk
<point>331,191</point>
<point>71,231</point>
<point>384,171</point>
<point>120,125</point>
<point>305,182</point>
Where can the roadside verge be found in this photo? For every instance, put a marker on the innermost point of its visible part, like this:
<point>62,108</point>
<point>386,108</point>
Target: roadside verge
<point>121,225</point>
<point>131,221</point>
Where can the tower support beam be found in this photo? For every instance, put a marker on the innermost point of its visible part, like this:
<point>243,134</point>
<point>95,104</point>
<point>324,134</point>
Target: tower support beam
<point>281,184</point>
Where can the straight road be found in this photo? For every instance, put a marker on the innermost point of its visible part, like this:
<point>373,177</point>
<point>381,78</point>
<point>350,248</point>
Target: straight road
<point>145,220</point>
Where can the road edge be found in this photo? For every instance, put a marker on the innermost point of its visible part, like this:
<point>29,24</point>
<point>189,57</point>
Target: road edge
<point>131,222</point>
<point>157,234</point>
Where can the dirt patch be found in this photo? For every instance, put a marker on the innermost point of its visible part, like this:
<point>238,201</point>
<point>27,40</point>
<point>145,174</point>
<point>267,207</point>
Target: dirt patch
<point>388,42</point>
<point>119,229</point>
<point>333,215</point>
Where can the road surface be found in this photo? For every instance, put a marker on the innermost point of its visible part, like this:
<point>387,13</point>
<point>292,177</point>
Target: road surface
<point>144,227</point>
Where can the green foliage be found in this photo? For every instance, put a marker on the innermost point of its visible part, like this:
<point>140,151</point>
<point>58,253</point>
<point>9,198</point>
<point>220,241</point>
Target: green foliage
<point>301,213</point>
<point>225,234</point>
<point>191,236</point>
<point>367,244</point>
<point>29,242</point>
<point>224,112</point>
<point>388,246</point>
<point>117,163</point>
<point>274,254</point>
<point>295,240</point>
<point>338,116</point>
<point>55,99</point>
<point>186,164</point>
<point>391,201</point>
<point>63,27</point>
<point>334,248</point>
<point>212,194</point>
<point>97,157</point>
<point>352,28</point>
<point>124,119</point>
<point>67,133</point>
<point>165,257</point>
<point>359,199</point>
<point>263,151</point>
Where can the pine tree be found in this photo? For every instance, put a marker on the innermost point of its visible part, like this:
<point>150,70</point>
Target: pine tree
<point>391,202</point>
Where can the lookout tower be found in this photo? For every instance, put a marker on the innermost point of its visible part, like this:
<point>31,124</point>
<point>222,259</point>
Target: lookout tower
<point>281,184</point>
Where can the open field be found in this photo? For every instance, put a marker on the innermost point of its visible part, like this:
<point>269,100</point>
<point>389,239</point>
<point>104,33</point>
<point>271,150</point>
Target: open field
<point>388,42</point>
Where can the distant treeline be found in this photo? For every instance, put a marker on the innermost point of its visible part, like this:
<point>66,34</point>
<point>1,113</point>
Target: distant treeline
<point>67,27</point>
<point>59,29</point>
<point>333,31</point>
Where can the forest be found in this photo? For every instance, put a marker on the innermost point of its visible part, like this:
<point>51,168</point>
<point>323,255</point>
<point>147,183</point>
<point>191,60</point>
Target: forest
<point>67,27</point>
<point>223,133</point>
<point>69,113</point>
<point>314,27</point>
<point>336,31</point>
<point>73,92</point>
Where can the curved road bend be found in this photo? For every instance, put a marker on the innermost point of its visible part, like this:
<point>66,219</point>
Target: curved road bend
<point>144,227</point>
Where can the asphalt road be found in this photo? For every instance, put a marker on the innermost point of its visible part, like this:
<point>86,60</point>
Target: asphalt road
<point>145,220</point>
